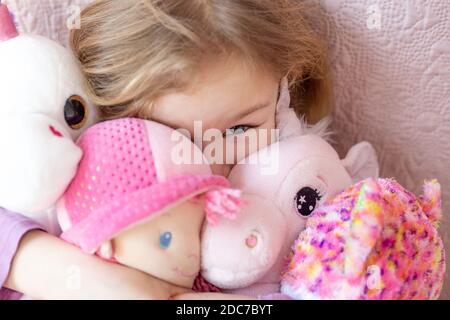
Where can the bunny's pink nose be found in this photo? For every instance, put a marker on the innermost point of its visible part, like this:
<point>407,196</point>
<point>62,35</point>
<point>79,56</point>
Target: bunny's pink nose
<point>55,132</point>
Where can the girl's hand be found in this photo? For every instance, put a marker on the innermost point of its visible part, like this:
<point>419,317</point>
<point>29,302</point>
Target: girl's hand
<point>46,267</point>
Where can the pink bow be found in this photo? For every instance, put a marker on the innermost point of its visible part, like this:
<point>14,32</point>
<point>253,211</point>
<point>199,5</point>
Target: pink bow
<point>223,202</point>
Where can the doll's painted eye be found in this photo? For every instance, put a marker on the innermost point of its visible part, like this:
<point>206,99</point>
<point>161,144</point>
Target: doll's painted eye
<point>306,201</point>
<point>75,112</point>
<point>165,239</point>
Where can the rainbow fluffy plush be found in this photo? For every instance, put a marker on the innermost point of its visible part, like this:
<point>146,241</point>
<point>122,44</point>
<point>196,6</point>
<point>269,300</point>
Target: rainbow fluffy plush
<point>375,240</point>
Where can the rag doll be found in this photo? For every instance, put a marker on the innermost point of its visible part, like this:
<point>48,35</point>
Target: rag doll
<point>43,110</point>
<point>137,201</point>
<point>375,240</point>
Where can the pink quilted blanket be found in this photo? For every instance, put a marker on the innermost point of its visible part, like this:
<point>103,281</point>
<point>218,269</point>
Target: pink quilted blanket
<point>392,68</point>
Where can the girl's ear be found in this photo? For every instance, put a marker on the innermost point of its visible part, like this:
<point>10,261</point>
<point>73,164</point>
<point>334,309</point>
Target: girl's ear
<point>106,251</point>
<point>361,162</point>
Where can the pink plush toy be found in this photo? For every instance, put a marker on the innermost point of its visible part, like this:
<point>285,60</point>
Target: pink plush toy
<point>375,240</point>
<point>136,202</point>
<point>282,185</point>
<point>43,110</point>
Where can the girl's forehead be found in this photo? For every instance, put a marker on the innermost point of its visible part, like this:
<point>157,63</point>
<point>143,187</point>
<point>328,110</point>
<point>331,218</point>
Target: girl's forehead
<point>221,93</point>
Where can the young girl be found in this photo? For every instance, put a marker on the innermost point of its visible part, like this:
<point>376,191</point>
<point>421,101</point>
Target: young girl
<point>213,64</point>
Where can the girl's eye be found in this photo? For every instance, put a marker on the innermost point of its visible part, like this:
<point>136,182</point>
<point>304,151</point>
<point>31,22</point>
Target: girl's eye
<point>237,130</point>
<point>306,201</point>
<point>75,112</point>
<point>165,239</point>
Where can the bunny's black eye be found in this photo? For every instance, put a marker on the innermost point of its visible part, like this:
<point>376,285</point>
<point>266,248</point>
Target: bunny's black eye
<point>306,201</point>
<point>75,112</point>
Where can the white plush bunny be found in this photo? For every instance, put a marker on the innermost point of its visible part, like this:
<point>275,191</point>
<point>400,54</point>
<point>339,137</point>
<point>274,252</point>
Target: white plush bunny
<point>43,109</point>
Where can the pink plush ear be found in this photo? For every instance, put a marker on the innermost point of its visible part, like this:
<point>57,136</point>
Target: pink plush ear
<point>7,28</point>
<point>284,99</point>
<point>287,120</point>
<point>361,162</point>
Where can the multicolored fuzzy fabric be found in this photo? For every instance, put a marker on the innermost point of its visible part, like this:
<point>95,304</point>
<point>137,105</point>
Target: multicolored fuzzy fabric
<point>375,240</point>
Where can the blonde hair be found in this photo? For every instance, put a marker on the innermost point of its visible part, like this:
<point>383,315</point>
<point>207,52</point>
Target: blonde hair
<point>134,51</point>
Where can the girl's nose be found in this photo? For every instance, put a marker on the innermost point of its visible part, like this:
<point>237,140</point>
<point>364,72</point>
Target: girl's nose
<point>221,169</point>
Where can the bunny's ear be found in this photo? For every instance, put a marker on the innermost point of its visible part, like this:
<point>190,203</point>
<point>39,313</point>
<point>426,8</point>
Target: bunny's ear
<point>361,162</point>
<point>7,28</point>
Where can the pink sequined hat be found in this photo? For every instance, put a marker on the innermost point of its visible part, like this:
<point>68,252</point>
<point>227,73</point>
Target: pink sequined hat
<point>129,173</point>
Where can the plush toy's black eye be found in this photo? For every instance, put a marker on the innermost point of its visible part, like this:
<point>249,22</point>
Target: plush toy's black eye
<point>75,112</point>
<point>306,201</point>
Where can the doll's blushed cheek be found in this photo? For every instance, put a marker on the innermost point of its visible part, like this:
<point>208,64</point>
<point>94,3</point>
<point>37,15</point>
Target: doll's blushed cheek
<point>184,274</point>
<point>194,256</point>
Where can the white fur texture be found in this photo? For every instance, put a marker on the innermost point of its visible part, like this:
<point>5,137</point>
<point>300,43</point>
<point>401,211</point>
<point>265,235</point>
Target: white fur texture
<point>37,77</point>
